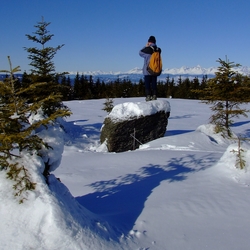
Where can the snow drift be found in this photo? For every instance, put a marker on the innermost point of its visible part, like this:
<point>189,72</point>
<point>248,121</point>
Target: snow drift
<point>181,191</point>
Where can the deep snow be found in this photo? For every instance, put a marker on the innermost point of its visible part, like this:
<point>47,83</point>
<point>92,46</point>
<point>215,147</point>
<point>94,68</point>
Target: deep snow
<point>178,192</point>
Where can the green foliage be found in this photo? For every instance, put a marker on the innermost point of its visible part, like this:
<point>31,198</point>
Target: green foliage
<point>17,133</point>
<point>108,105</point>
<point>240,161</point>
<point>20,175</point>
<point>84,87</point>
<point>183,87</point>
<point>41,58</point>
<point>226,91</point>
<point>39,92</point>
<point>43,77</point>
<point>66,88</point>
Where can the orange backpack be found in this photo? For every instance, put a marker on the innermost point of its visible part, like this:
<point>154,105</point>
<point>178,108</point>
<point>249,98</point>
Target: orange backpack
<point>155,63</point>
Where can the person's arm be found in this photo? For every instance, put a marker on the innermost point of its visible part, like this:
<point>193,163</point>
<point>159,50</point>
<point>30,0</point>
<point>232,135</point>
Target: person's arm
<point>144,52</point>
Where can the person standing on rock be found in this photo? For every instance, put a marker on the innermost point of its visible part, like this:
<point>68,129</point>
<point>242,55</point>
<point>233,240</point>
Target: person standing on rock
<point>150,80</point>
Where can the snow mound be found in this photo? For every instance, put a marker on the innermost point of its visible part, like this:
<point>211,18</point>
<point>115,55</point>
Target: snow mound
<point>208,129</point>
<point>229,159</point>
<point>49,217</point>
<point>128,110</point>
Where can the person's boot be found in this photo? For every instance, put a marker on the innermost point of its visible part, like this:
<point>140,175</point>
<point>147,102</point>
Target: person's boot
<point>154,97</point>
<point>148,98</point>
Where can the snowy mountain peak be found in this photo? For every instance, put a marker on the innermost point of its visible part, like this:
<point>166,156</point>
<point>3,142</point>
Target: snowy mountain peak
<point>184,70</point>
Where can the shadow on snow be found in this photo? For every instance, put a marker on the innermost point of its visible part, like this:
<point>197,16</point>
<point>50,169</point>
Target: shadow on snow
<point>246,133</point>
<point>182,117</point>
<point>177,132</point>
<point>78,133</point>
<point>237,124</point>
<point>120,201</point>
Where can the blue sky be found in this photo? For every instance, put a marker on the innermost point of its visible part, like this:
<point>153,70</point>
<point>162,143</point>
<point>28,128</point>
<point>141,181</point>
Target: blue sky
<point>108,34</point>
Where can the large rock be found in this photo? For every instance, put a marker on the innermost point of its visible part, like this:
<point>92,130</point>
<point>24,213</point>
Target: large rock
<point>131,124</point>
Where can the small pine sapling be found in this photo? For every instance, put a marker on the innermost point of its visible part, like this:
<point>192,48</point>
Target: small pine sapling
<point>108,105</point>
<point>240,162</point>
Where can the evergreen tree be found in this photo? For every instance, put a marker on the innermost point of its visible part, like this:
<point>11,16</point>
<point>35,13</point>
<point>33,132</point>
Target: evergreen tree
<point>195,84</point>
<point>117,92</point>
<point>185,88</point>
<point>167,86</point>
<point>97,91</point>
<point>26,79</point>
<point>126,88</point>
<point>41,58</point>
<point>171,88</point>
<point>108,105</point>
<point>70,87</point>
<point>226,91</point>
<point>43,70</point>
<point>103,90</point>
<point>180,91</point>
<point>90,87</point>
<point>66,89</point>
<point>77,87</point>
<point>16,133</point>
<point>203,82</point>
<point>161,89</point>
<point>18,102</point>
<point>84,91</point>
<point>140,89</point>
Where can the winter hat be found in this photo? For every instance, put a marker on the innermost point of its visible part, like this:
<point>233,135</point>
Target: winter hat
<point>152,39</point>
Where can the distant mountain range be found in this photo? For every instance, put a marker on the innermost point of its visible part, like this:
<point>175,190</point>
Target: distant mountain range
<point>197,70</point>
<point>136,74</point>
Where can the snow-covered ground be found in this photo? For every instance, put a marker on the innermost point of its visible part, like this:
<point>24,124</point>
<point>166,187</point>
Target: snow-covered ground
<point>179,192</point>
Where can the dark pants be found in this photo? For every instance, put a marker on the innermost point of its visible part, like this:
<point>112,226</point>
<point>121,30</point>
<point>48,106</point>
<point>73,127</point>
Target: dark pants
<point>150,85</point>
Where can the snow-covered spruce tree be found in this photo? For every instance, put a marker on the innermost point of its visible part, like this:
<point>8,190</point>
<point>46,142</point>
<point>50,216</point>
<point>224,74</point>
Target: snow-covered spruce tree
<point>43,80</point>
<point>17,133</point>
<point>226,91</point>
<point>43,71</point>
